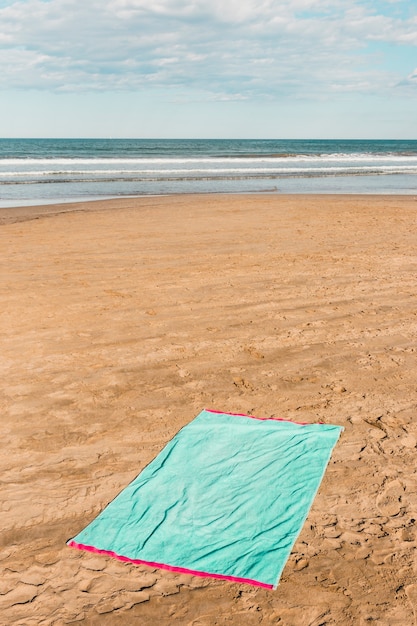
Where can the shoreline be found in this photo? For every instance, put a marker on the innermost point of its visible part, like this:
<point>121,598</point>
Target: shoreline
<point>122,319</point>
<point>22,213</point>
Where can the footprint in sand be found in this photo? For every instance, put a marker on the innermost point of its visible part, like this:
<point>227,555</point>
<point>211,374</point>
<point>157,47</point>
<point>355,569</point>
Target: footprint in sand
<point>411,592</point>
<point>390,501</point>
<point>242,384</point>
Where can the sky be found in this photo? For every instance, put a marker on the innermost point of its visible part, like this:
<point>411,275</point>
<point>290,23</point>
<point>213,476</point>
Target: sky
<point>208,68</point>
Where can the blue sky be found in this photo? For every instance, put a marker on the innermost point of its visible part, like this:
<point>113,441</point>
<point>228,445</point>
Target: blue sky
<point>208,68</point>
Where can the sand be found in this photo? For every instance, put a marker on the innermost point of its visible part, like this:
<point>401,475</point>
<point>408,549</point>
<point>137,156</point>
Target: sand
<point>122,319</point>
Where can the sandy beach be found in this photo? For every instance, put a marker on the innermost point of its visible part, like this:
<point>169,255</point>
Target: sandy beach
<point>122,319</point>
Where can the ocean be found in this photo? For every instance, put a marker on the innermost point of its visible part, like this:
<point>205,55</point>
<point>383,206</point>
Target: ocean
<point>44,171</point>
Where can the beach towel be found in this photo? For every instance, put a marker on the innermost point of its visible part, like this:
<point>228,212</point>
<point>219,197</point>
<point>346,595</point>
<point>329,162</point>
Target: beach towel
<point>227,498</point>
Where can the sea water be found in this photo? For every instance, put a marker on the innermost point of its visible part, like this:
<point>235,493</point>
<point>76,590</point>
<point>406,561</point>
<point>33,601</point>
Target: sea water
<point>40,171</point>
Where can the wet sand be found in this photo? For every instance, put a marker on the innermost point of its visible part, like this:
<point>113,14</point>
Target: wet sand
<point>122,319</point>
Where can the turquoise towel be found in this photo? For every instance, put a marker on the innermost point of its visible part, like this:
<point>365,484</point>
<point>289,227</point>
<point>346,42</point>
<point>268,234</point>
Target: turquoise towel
<point>226,497</point>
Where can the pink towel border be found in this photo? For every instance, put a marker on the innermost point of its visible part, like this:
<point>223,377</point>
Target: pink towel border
<point>170,568</point>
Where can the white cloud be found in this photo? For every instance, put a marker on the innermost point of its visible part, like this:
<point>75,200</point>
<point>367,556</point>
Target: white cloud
<point>232,49</point>
<point>410,80</point>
